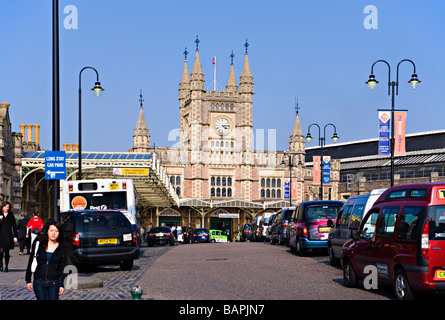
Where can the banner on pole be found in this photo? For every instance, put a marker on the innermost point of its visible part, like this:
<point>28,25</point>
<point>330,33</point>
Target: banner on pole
<point>316,169</point>
<point>327,169</point>
<point>384,133</point>
<point>399,132</point>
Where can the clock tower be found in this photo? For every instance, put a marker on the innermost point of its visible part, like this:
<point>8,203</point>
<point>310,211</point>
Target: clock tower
<point>216,129</point>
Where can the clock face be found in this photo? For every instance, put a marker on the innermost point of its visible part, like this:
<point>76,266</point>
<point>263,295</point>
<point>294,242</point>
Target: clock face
<point>222,125</point>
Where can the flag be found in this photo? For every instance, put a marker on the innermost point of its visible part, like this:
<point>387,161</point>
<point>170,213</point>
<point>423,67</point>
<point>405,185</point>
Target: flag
<point>316,169</point>
<point>214,60</point>
<point>399,128</point>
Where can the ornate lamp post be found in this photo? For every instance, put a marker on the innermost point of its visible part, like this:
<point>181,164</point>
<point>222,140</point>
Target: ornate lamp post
<point>97,92</point>
<point>393,90</point>
<point>321,141</point>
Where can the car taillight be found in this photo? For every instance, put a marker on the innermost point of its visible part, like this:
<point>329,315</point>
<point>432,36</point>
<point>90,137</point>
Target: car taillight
<point>168,234</point>
<point>134,236</point>
<point>304,231</point>
<point>194,235</point>
<point>425,240</point>
<point>75,239</point>
<point>246,231</point>
<point>206,234</point>
<point>150,235</point>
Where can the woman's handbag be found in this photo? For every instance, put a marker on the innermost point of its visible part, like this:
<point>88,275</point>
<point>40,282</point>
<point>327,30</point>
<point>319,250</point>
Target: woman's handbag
<point>34,260</point>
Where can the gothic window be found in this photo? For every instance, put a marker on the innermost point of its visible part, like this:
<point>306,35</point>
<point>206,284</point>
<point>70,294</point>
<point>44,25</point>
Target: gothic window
<point>178,180</point>
<point>178,191</point>
<point>270,188</point>
<point>223,185</point>
<point>231,107</point>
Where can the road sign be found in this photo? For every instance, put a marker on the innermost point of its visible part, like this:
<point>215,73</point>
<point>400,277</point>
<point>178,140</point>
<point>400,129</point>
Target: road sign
<point>55,165</point>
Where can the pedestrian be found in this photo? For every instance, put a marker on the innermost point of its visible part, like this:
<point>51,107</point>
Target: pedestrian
<point>23,233</point>
<point>35,225</point>
<point>52,258</point>
<point>8,233</point>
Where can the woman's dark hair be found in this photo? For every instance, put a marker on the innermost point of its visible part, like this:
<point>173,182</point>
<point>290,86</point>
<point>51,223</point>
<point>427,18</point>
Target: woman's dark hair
<point>45,239</point>
<point>4,204</point>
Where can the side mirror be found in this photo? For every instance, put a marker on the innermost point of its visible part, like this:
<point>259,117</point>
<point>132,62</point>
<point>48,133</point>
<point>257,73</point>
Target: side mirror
<point>330,223</point>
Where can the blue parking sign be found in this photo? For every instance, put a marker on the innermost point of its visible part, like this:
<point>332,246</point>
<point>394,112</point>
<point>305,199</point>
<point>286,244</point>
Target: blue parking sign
<point>55,165</point>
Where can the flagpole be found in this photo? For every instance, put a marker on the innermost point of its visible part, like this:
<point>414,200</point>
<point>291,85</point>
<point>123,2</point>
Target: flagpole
<point>214,75</point>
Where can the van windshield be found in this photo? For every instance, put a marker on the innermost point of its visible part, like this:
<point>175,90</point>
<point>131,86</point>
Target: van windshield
<point>437,222</point>
<point>322,212</point>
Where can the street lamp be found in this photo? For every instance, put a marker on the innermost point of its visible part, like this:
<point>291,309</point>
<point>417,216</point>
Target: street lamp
<point>321,141</point>
<point>392,86</point>
<point>97,92</point>
<point>283,165</point>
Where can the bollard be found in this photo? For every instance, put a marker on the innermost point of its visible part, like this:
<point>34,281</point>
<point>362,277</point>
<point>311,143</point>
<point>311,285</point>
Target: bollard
<point>136,292</point>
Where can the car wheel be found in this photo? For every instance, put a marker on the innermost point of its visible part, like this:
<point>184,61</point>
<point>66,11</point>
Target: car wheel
<point>126,265</point>
<point>332,259</point>
<point>301,251</point>
<point>402,288</point>
<point>349,276</point>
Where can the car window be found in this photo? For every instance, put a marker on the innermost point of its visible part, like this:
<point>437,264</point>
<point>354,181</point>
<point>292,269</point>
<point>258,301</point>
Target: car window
<point>345,217</point>
<point>409,223</point>
<point>322,212</point>
<point>437,222</point>
<point>356,215</point>
<point>101,221</point>
<point>368,226</point>
<point>160,229</point>
<point>339,216</point>
<point>387,222</point>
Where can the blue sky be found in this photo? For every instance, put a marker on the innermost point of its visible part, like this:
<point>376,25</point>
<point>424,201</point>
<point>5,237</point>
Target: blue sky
<point>316,51</point>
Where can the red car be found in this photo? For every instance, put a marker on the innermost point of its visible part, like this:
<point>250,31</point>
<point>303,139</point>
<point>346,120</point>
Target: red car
<point>402,239</point>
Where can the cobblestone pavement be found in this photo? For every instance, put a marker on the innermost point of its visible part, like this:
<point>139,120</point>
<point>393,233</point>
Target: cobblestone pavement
<point>116,283</point>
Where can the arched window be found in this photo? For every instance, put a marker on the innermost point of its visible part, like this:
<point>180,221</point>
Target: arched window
<point>267,193</point>
<point>212,181</point>
<point>263,183</point>
<point>273,193</point>
<point>218,192</point>
<point>263,193</point>
<point>273,183</point>
<point>178,191</point>
<point>178,180</point>
<point>212,192</point>
<point>224,181</point>
<point>224,192</point>
<point>172,180</point>
<point>229,181</point>
<point>218,181</point>
<point>278,183</point>
<point>229,192</point>
<point>268,183</point>
<point>278,193</point>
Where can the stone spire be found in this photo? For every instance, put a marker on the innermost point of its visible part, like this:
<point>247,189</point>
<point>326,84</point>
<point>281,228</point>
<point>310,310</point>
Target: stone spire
<point>184,85</point>
<point>141,136</point>
<point>296,142</point>
<point>232,85</point>
<point>197,76</point>
<point>246,79</point>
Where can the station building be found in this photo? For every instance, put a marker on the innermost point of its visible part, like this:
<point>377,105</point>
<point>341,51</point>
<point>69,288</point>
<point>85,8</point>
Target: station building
<point>215,178</point>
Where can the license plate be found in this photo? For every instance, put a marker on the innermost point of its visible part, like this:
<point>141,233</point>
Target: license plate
<point>107,241</point>
<point>114,186</point>
<point>127,237</point>
<point>159,234</point>
<point>324,229</point>
<point>440,274</point>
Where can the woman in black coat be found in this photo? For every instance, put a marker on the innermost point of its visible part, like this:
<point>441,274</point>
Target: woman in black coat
<point>8,233</point>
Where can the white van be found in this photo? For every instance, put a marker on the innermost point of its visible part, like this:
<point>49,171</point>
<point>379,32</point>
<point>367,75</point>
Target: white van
<point>348,219</point>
